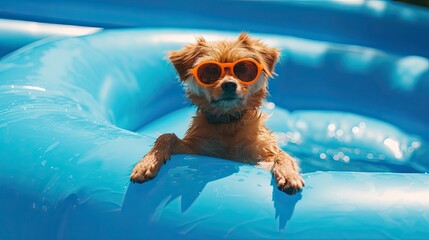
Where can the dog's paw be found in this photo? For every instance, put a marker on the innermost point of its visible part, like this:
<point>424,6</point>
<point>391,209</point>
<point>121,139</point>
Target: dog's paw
<point>288,182</point>
<point>290,185</point>
<point>145,170</point>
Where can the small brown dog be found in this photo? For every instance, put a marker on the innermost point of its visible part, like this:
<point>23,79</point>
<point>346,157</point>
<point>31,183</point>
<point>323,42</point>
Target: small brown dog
<point>227,81</point>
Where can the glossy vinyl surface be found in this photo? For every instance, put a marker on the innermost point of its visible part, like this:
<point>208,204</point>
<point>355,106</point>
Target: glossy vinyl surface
<point>388,25</point>
<point>77,113</point>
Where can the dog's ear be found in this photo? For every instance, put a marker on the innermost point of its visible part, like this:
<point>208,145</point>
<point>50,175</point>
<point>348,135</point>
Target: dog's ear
<point>244,39</point>
<point>184,59</point>
<point>269,56</point>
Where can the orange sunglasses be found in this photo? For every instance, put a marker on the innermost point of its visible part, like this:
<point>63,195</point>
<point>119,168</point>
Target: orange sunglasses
<point>247,70</point>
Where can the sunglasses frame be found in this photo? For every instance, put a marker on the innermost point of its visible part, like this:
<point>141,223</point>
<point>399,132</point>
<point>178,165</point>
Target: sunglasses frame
<point>223,66</point>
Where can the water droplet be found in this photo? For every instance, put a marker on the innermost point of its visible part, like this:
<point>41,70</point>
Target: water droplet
<point>370,156</point>
<point>362,125</point>
<point>336,157</point>
<point>45,208</point>
<point>34,205</point>
<point>346,159</point>
<point>416,144</point>
<point>322,156</point>
<point>340,132</point>
<point>332,127</point>
<point>12,86</point>
<point>71,177</point>
<point>355,130</point>
<point>43,163</point>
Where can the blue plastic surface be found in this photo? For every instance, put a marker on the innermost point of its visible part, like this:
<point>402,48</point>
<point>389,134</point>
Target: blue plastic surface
<point>76,114</point>
<point>16,34</point>
<point>387,25</point>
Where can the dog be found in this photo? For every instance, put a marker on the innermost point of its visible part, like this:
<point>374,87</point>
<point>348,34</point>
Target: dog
<point>227,81</point>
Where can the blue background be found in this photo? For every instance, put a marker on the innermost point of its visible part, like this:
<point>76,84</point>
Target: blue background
<point>76,113</point>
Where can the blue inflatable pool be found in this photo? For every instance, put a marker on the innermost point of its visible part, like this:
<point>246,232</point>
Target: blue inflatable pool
<point>77,113</point>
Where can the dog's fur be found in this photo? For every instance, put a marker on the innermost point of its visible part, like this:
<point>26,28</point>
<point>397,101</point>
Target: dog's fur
<point>245,138</point>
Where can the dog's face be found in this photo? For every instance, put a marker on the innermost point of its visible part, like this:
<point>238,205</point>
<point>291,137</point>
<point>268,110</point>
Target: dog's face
<point>228,93</point>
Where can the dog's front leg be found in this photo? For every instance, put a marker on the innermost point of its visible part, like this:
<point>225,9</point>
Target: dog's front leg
<point>165,146</point>
<point>286,174</point>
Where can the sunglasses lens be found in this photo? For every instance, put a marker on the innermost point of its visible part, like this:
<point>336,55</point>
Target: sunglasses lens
<point>209,73</point>
<point>246,71</point>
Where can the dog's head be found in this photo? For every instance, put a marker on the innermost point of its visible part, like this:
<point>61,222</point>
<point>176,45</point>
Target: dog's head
<point>225,76</point>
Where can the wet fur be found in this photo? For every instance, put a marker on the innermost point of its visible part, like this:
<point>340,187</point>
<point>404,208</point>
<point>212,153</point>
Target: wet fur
<point>246,139</point>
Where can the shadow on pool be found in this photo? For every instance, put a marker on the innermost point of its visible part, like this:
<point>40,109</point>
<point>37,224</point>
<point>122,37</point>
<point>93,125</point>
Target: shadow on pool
<point>193,189</point>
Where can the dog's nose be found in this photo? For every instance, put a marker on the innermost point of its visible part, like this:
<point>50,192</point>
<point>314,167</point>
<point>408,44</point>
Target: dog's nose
<point>229,87</point>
